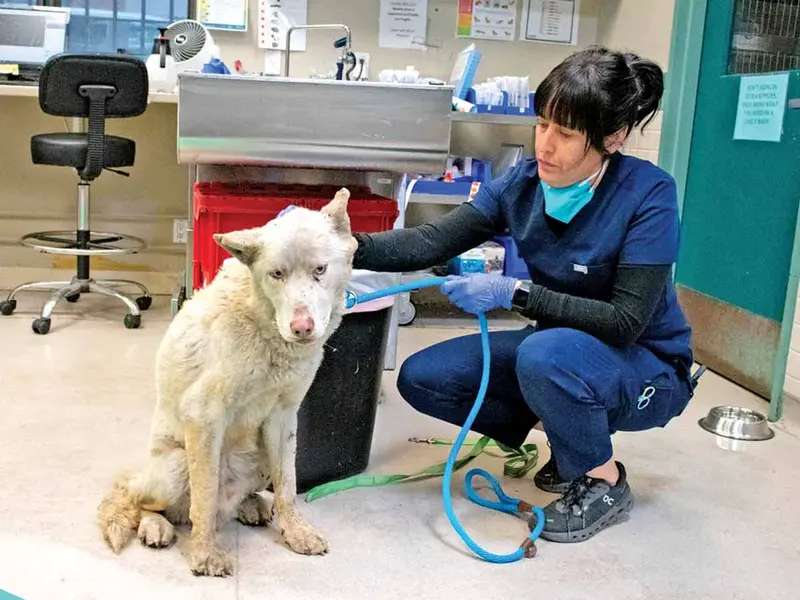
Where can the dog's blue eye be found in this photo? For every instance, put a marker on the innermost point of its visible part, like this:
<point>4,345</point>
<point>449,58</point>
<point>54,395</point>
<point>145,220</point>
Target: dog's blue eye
<point>320,270</point>
<point>276,274</point>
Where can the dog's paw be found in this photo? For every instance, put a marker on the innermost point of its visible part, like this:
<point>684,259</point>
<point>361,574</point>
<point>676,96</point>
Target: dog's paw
<point>254,511</point>
<point>212,561</point>
<point>155,531</point>
<point>304,539</point>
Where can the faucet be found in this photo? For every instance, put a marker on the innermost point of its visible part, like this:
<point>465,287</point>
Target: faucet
<point>345,47</point>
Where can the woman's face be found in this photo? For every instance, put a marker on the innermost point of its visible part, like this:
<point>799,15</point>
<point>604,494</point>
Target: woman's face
<point>562,156</point>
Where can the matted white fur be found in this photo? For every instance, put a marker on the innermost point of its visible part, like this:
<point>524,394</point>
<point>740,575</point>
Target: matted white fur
<point>231,373</point>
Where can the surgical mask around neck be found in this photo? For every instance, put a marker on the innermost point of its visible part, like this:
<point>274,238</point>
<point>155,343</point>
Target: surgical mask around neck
<point>564,203</point>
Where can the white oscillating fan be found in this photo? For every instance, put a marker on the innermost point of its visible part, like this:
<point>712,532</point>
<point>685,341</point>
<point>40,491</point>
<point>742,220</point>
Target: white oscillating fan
<point>191,45</point>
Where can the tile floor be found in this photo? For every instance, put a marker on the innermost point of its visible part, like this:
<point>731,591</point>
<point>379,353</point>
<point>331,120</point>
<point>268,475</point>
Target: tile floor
<point>709,522</point>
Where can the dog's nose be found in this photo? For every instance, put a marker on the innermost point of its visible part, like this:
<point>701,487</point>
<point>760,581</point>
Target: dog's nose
<point>302,325</point>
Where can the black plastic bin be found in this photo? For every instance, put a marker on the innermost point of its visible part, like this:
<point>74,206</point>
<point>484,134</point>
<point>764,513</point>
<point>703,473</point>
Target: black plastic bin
<point>337,417</point>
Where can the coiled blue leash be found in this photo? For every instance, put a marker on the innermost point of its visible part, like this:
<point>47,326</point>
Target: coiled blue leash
<point>504,503</point>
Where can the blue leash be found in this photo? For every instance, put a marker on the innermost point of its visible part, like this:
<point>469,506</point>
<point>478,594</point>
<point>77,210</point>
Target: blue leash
<point>504,503</point>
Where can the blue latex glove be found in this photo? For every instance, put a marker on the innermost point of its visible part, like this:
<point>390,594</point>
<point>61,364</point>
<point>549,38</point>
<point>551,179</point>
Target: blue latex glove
<point>480,292</point>
<point>215,65</point>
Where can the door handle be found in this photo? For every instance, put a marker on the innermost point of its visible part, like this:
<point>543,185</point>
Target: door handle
<point>794,103</point>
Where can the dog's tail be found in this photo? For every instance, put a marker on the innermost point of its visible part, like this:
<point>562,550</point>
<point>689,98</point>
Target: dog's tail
<point>118,515</point>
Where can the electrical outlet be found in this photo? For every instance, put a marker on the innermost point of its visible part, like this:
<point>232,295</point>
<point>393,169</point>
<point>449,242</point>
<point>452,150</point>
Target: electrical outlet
<point>179,227</point>
<point>365,72</point>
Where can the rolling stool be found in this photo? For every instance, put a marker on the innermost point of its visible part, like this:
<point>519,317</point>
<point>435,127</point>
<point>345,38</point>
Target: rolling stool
<point>97,87</point>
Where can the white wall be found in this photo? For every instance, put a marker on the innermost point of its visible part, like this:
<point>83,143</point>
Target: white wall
<point>640,26</point>
<point>499,58</point>
<point>643,27</point>
<point>645,144</point>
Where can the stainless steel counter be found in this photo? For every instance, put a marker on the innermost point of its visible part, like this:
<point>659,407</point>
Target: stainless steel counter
<point>275,121</point>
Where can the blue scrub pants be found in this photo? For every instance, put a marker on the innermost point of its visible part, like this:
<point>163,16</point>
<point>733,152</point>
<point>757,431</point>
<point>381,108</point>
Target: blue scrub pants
<point>582,390</point>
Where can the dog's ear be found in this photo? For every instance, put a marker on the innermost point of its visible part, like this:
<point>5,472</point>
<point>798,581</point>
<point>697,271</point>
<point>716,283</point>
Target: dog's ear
<point>242,245</point>
<point>336,209</point>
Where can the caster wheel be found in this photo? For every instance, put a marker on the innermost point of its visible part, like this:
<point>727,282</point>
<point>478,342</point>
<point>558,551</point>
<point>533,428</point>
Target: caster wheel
<point>7,306</point>
<point>144,302</point>
<point>72,298</point>
<point>407,314</point>
<point>41,326</point>
<point>133,321</point>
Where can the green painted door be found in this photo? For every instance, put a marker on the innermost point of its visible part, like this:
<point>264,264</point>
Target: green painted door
<point>741,198</point>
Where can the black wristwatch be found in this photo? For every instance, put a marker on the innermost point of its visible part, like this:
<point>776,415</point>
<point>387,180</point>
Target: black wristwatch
<point>522,292</point>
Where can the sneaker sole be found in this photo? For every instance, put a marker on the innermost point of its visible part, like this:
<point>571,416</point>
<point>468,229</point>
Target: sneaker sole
<point>610,518</point>
<point>556,488</point>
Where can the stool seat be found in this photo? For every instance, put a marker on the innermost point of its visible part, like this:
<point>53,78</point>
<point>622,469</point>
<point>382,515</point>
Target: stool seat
<point>70,149</point>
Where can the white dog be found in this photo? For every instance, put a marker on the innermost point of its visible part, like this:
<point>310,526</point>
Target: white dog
<point>231,372</point>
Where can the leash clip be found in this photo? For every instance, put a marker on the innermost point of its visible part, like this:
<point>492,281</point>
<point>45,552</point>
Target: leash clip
<point>523,508</point>
<point>528,548</point>
<point>350,299</point>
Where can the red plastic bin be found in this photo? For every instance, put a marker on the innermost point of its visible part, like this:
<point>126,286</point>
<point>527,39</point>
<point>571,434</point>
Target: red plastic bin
<point>223,207</point>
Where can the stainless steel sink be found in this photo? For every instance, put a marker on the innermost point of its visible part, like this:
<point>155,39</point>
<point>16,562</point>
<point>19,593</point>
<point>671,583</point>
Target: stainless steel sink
<point>287,122</point>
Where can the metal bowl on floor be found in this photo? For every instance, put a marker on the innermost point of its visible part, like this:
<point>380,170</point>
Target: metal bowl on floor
<point>737,423</point>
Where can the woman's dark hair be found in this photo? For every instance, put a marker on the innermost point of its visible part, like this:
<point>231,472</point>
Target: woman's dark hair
<point>599,92</point>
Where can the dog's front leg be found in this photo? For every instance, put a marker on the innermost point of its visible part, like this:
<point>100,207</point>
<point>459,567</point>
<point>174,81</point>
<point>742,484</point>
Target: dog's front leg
<point>203,449</point>
<point>281,444</point>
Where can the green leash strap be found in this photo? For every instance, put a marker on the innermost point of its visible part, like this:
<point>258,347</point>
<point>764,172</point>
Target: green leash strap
<point>521,461</point>
<point>437,470</point>
<point>518,462</point>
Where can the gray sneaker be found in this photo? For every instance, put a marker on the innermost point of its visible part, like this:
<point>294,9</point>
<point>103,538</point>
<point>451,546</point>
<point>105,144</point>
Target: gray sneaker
<point>588,506</point>
<point>548,480</point>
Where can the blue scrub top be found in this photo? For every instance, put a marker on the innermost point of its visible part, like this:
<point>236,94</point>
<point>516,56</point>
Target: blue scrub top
<point>631,220</point>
